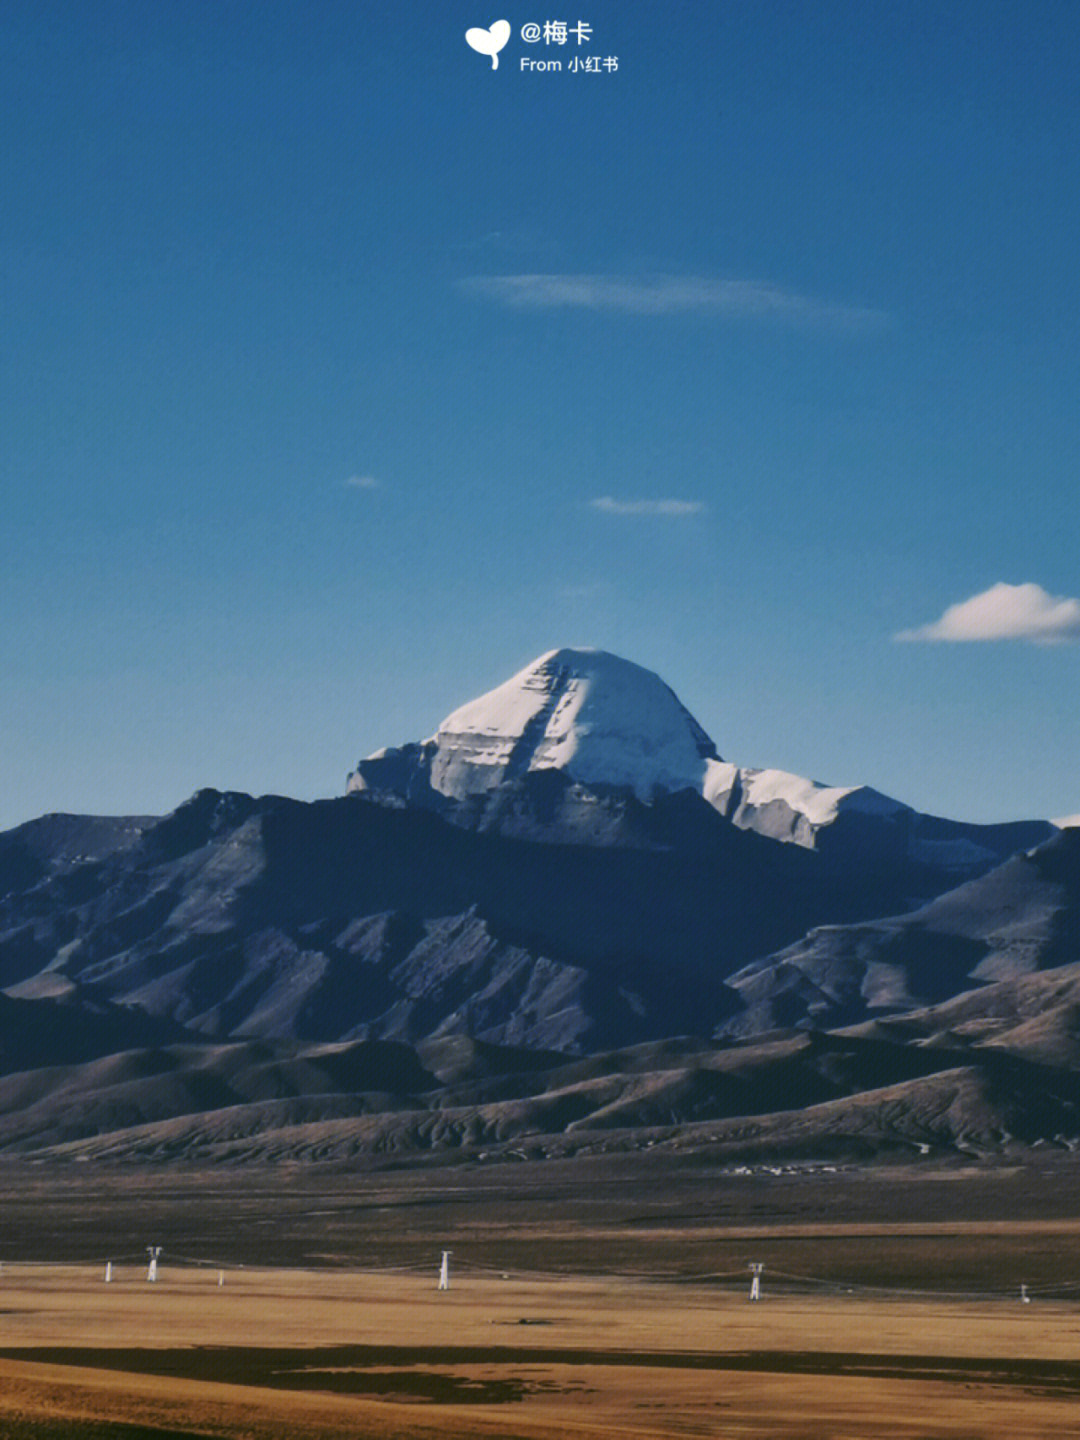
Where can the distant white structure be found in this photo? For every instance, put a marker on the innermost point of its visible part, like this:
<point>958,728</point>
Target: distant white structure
<point>220,1278</point>
<point>755,1283</point>
<point>108,1272</point>
<point>153,1251</point>
<point>444,1270</point>
<point>1025,1298</point>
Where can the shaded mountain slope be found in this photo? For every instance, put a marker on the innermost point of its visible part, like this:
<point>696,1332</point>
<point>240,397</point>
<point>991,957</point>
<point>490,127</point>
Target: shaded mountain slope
<point>1034,1016</point>
<point>41,1032</point>
<point>1022,917</point>
<point>560,919</point>
<point>346,918</point>
<point>54,843</point>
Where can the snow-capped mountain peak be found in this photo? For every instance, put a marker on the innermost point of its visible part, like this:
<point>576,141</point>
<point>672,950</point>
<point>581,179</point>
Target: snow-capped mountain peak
<point>600,719</point>
<point>605,723</point>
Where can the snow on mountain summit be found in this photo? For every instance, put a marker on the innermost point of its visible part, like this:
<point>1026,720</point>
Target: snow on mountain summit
<point>604,722</point>
<point>600,719</point>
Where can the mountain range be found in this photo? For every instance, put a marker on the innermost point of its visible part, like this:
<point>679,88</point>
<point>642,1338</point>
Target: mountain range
<point>562,921</point>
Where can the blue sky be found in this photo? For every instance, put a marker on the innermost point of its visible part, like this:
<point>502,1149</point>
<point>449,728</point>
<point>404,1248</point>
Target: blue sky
<point>342,374</point>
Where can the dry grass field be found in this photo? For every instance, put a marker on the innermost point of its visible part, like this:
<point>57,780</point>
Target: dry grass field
<point>318,1356</point>
<point>625,1331</point>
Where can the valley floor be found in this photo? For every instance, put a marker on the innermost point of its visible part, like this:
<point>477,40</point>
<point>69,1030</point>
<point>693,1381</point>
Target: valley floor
<point>586,1301</point>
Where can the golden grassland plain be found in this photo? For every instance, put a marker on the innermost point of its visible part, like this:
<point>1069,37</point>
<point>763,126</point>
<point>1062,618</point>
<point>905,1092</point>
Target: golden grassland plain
<point>584,1303</point>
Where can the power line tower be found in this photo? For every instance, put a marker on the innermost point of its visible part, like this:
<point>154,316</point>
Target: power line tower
<point>153,1251</point>
<point>755,1283</point>
<point>444,1270</point>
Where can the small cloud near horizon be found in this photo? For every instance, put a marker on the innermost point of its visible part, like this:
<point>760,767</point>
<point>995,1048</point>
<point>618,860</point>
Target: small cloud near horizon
<point>585,590</point>
<point>1005,612</point>
<point>362,482</point>
<point>609,505</point>
<point>668,295</point>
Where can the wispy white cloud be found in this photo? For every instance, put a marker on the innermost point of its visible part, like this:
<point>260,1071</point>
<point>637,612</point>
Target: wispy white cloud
<point>585,590</point>
<point>510,245</point>
<point>1006,612</point>
<point>608,505</point>
<point>668,295</point>
<point>362,482</point>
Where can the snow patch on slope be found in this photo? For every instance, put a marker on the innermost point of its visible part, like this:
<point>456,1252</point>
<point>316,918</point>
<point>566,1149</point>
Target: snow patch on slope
<point>737,791</point>
<point>819,803</point>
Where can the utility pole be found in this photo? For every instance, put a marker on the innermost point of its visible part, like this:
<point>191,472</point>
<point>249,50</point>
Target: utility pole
<point>444,1270</point>
<point>755,1283</point>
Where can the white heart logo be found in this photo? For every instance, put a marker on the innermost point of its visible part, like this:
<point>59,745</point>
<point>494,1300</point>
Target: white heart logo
<point>489,42</point>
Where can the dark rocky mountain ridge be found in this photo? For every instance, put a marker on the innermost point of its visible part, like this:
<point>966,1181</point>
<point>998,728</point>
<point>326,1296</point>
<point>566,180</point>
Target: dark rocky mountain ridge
<point>251,980</point>
<point>349,918</point>
<point>407,966</point>
<point>346,918</point>
<point>1020,918</point>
